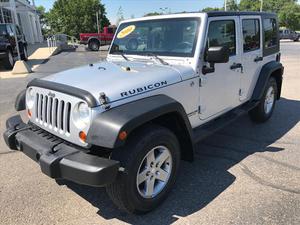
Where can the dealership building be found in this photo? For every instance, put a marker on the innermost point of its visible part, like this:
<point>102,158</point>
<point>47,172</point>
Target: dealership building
<point>27,18</point>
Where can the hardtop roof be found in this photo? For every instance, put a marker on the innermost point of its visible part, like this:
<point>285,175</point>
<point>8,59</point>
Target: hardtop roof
<point>243,13</point>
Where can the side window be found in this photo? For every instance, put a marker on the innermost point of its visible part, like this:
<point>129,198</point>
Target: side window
<point>270,29</point>
<point>222,33</point>
<point>10,31</point>
<point>251,34</point>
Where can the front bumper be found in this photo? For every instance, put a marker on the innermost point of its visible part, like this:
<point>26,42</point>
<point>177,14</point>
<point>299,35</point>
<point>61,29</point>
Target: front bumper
<point>58,159</point>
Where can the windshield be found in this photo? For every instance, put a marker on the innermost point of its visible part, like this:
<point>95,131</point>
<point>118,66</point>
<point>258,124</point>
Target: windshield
<point>2,29</point>
<point>165,37</point>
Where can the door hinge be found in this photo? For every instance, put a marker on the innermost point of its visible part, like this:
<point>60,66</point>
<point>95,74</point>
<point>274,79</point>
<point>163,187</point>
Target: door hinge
<point>199,109</point>
<point>241,92</point>
<point>202,81</point>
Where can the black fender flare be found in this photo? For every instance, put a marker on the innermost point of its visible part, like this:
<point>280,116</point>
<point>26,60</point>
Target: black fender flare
<point>20,103</point>
<point>263,78</point>
<point>106,127</point>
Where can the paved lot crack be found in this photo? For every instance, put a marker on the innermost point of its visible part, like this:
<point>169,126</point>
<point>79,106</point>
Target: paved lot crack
<point>6,153</point>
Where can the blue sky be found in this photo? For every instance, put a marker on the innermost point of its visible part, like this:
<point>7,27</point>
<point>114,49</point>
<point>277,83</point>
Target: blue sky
<point>140,7</point>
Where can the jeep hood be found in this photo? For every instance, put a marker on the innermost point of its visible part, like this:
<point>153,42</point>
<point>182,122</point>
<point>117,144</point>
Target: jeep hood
<point>119,80</point>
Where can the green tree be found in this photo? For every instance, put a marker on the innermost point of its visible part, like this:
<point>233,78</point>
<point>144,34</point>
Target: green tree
<point>153,14</point>
<point>232,5</point>
<point>208,9</point>
<point>289,16</point>
<point>249,5</point>
<point>76,16</point>
<point>268,5</point>
<point>277,5</point>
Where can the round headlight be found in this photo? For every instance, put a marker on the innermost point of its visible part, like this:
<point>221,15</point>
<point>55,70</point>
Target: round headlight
<point>30,98</point>
<point>81,115</point>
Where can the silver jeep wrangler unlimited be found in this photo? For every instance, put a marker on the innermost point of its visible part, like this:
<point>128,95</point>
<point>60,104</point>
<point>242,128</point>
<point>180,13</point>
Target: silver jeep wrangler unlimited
<point>168,81</point>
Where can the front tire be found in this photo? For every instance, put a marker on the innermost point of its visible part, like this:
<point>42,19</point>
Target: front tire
<point>150,161</point>
<point>9,61</point>
<point>24,54</point>
<point>264,110</point>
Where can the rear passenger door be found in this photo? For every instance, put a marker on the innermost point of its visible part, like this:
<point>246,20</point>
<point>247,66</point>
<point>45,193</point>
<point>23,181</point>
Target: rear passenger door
<point>252,54</point>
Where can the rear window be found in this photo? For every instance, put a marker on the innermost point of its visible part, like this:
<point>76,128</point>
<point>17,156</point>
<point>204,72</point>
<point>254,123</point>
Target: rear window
<point>270,29</point>
<point>251,34</point>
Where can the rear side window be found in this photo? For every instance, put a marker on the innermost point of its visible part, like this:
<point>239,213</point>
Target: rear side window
<point>222,33</point>
<point>270,29</point>
<point>251,34</point>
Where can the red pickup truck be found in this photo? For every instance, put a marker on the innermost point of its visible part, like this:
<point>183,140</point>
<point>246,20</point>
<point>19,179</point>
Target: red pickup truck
<point>95,40</point>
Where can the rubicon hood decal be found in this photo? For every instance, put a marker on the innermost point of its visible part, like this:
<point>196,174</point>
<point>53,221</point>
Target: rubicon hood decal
<point>143,89</point>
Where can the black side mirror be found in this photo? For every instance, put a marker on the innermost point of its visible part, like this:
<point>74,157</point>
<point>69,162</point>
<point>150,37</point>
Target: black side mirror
<point>217,54</point>
<point>214,55</point>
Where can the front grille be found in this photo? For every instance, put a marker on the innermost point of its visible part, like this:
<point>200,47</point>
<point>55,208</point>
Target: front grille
<point>53,113</point>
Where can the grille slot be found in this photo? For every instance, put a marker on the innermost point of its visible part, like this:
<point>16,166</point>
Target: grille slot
<point>53,113</point>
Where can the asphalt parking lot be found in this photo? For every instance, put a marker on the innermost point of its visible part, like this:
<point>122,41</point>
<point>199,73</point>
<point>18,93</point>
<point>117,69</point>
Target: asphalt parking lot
<point>244,174</point>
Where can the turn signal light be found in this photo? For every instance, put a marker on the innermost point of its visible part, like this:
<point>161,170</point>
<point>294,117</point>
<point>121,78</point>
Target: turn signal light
<point>122,135</point>
<point>29,113</point>
<point>82,136</point>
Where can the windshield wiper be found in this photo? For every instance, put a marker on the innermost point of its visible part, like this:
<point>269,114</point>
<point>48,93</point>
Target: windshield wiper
<point>123,55</point>
<point>158,58</point>
<point>120,52</point>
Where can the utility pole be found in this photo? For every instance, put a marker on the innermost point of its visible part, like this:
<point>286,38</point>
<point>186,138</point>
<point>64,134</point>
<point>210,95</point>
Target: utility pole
<point>225,5</point>
<point>97,19</point>
<point>261,5</point>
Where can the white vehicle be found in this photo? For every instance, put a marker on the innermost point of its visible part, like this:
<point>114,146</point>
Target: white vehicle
<point>168,82</point>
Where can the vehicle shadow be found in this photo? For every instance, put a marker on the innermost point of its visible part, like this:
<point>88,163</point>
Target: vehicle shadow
<point>200,182</point>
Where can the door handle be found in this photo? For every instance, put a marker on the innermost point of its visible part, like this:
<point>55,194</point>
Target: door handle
<point>258,58</point>
<point>236,66</point>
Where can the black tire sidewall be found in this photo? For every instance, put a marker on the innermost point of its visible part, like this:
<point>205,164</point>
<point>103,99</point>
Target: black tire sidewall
<point>7,63</point>
<point>139,150</point>
<point>23,56</point>
<point>258,114</point>
<point>94,43</point>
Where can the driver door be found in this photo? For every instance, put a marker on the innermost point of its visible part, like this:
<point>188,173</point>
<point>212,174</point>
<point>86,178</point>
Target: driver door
<point>219,91</point>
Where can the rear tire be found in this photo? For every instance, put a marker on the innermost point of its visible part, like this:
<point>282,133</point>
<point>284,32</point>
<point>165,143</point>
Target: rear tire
<point>264,110</point>
<point>150,161</point>
<point>94,45</point>
<point>9,61</point>
<point>24,54</point>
